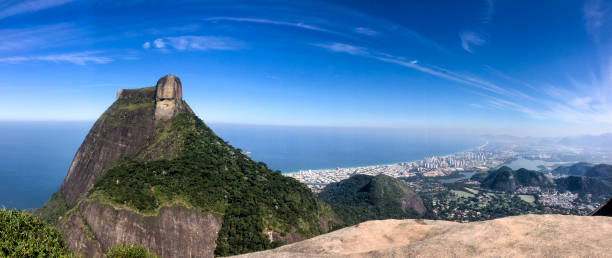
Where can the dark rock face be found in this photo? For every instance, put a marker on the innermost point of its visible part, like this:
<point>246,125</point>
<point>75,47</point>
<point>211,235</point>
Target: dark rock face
<point>109,139</point>
<point>175,231</point>
<point>604,210</point>
<point>76,235</point>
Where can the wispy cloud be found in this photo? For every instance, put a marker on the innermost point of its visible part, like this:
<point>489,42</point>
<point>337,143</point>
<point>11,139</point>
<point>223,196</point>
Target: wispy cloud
<point>429,69</point>
<point>269,21</point>
<point>16,7</point>
<point>344,48</point>
<point>80,58</point>
<point>366,31</point>
<point>197,43</point>
<point>469,38</point>
<point>489,10</point>
<point>593,16</point>
<point>37,37</point>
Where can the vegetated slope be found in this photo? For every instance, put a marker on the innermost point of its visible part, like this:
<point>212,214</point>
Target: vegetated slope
<point>506,179</point>
<point>586,169</point>
<point>151,173</point>
<point>518,236</point>
<point>584,185</point>
<point>24,235</point>
<point>577,169</point>
<point>362,197</point>
<point>213,176</point>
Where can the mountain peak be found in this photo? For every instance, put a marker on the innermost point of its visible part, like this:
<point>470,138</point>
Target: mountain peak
<point>168,97</point>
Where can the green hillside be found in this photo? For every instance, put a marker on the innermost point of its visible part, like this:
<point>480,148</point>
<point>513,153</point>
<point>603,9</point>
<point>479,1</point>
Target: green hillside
<point>210,174</point>
<point>362,197</point>
<point>508,180</point>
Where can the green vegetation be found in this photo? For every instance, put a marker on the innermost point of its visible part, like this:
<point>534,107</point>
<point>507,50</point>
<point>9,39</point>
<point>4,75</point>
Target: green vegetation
<point>23,235</point>
<point>362,197</point>
<point>211,175</point>
<point>124,110</point>
<point>54,209</point>
<point>508,180</point>
<point>584,185</point>
<point>464,194</point>
<point>528,198</point>
<point>457,205</point>
<point>129,251</point>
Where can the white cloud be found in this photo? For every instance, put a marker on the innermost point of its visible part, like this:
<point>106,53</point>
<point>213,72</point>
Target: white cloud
<point>198,43</point>
<point>11,8</point>
<point>80,58</point>
<point>469,38</point>
<point>38,37</point>
<point>429,69</point>
<point>146,45</point>
<point>366,31</point>
<point>159,43</point>
<point>344,48</point>
<point>273,22</point>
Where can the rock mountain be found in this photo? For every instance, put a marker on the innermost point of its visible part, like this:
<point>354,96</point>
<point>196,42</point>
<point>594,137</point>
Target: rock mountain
<point>151,173</point>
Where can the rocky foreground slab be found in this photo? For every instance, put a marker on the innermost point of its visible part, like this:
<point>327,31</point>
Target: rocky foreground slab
<point>519,236</point>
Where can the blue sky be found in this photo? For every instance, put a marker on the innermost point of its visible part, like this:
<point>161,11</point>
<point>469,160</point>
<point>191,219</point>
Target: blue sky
<point>490,66</point>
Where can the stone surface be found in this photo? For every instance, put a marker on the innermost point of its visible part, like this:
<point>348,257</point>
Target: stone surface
<point>74,229</point>
<point>175,231</point>
<point>105,143</point>
<point>168,97</point>
<point>519,236</point>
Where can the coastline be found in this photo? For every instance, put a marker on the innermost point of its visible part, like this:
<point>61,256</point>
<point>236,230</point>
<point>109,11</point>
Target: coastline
<point>385,164</point>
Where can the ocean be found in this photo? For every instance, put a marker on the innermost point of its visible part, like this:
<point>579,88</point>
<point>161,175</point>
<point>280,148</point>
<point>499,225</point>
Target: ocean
<point>35,156</point>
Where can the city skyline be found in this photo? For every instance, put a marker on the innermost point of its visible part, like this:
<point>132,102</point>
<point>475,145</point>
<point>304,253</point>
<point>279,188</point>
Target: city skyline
<point>490,66</point>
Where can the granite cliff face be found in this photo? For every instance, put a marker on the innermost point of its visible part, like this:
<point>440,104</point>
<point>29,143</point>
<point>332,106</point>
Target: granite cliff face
<point>151,173</point>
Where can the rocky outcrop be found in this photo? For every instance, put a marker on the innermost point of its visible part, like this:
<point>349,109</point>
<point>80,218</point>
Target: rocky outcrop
<point>520,236</point>
<point>168,97</point>
<point>122,131</point>
<point>175,231</point>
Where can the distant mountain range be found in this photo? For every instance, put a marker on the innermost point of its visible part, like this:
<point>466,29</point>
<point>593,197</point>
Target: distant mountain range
<point>586,169</point>
<point>584,178</point>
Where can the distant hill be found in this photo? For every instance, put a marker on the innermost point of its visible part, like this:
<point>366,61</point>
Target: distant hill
<point>583,185</point>
<point>506,179</point>
<point>577,169</point>
<point>362,197</point>
<point>586,169</point>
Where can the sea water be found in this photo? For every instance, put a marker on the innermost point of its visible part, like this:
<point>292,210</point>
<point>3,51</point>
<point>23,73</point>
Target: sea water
<point>35,156</point>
